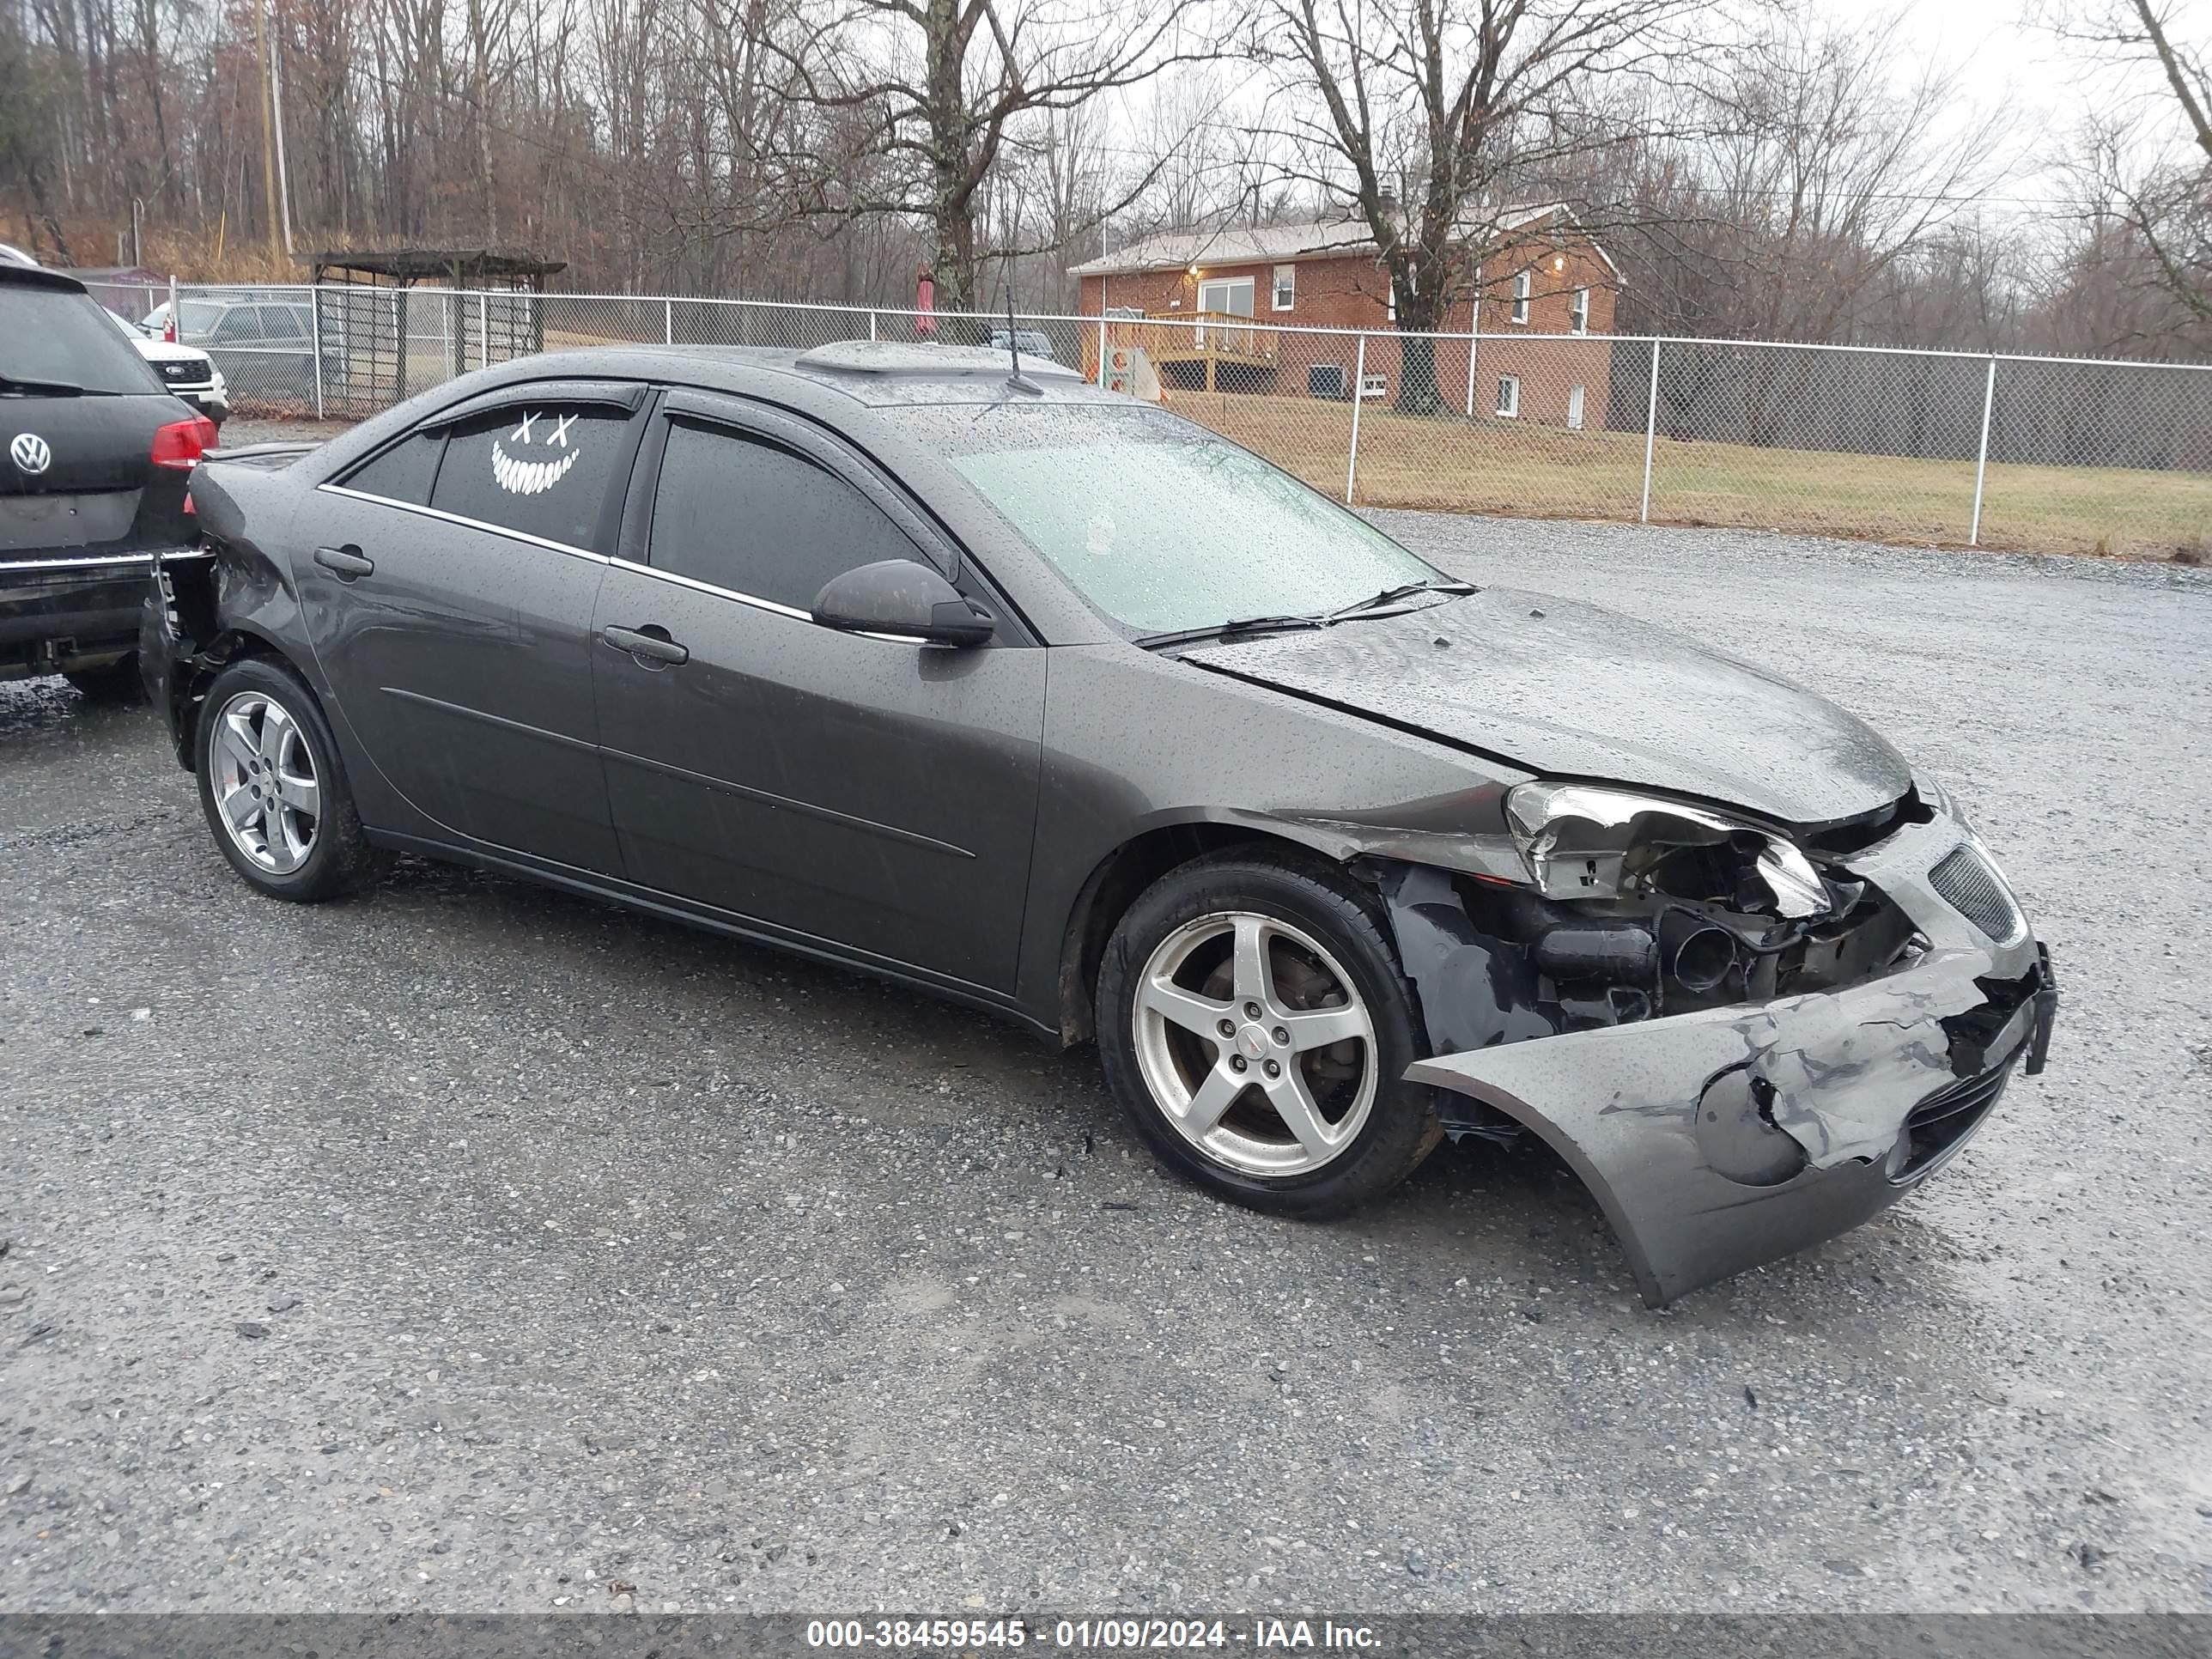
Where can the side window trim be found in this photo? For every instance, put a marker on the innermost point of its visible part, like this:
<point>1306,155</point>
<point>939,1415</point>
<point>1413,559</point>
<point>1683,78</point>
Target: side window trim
<point>627,396</point>
<point>466,523</point>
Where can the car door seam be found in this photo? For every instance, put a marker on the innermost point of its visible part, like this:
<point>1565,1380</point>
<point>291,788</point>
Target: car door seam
<point>746,792</point>
<point>561,738</point>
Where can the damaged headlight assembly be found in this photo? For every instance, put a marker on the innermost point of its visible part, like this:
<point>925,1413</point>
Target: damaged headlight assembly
<point>1636,903</point>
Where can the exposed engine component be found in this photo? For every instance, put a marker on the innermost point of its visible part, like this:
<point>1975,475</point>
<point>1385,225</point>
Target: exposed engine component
<point>1641,906</point>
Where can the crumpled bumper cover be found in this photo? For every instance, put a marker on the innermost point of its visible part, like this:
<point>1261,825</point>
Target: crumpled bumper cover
<point>1719,1139</point>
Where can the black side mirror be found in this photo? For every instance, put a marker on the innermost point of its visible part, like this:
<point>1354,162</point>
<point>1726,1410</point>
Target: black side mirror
<point>902,597</point>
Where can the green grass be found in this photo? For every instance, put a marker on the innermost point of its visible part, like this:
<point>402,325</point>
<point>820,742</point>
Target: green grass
<point>1535,471</point>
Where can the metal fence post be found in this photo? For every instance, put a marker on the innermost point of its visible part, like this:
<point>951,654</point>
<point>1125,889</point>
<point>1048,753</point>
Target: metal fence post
<point>668,322</point>
<point>315,327</point>
<point>483,331</point>
<point>1981,461</point>
<point>1650,433</point>
<point>1358,389</point>
<point>872,334</point>
<point>1102,337</point>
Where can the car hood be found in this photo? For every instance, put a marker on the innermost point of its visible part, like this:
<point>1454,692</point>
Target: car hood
<point>1571,690</point>
<point>168,351</point>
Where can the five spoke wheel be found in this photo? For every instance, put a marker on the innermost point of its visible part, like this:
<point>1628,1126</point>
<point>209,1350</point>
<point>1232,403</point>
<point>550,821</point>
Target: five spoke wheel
<point>1256,1044</point>
<point>266,786</point>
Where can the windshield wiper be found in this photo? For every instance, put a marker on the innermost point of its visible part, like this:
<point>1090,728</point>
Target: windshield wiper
<point>1403,591</point>
<point>43,388</point>
<point>1244,625</point>
<point>1233,629</point>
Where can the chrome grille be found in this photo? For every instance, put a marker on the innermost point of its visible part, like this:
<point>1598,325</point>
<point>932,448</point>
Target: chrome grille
<point>1971,885</point>
<point>182,374</point>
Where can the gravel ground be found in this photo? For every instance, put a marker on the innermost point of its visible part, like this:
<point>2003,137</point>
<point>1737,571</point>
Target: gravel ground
<point>472,1247</point>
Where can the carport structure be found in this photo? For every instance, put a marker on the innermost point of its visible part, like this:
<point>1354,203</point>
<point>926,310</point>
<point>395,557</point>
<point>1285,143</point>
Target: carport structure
<point>486,311</point>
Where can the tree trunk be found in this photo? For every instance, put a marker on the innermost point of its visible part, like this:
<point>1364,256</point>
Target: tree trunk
<point>953,265</point>
<point>952,182</point>
<point>1418,319</point>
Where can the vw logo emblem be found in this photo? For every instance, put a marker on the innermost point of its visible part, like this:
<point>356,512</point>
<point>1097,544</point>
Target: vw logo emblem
<point>30,453</point>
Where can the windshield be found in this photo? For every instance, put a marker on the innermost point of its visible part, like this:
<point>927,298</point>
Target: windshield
<point>1160,524</point>
<point>51,335</point>
<point>198,316</point>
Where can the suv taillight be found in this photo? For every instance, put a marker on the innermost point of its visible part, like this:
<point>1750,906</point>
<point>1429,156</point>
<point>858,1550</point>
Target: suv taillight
<point>180,443</point>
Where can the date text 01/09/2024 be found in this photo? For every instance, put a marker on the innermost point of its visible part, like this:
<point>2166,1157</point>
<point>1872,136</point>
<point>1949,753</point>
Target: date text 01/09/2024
<point>1111,1633</point>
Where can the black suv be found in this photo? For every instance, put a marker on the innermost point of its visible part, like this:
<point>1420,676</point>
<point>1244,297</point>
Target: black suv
<point>94,457</point>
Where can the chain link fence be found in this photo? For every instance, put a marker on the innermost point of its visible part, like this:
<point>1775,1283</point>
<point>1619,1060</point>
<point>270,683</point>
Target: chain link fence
<point>1941,448</point>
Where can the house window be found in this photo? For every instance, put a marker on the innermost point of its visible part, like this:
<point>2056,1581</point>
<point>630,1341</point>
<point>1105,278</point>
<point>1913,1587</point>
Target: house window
<point>1524,282</point>
<point>1581,311</point>
<point>1286,287</point>
<point>1226,296</point>
<point>1509,396</point>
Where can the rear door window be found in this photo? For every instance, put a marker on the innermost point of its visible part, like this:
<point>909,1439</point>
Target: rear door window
<point>404,473</point>
<point>757,519</point>
<point>542,469</point>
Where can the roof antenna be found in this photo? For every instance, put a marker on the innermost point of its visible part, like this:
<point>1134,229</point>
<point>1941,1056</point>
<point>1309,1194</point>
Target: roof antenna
<point>1018,380</point>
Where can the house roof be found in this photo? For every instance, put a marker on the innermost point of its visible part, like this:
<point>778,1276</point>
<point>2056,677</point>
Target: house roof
<point>1320,239</point>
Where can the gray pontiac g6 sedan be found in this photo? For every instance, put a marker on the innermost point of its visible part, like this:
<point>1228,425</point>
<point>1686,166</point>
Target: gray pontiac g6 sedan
<point>1053,703</point>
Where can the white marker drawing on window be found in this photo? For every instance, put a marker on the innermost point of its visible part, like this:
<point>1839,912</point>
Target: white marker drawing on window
<point>521,478</point>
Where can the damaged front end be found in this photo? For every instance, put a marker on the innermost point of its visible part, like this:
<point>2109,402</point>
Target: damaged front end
<point>1754,1039</point>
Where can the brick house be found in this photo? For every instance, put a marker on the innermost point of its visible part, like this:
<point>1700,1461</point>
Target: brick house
<point>1544,276</point>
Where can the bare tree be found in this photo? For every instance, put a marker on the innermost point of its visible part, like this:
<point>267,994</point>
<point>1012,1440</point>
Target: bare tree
<point>1832,172</point>
<point>939,88</point>
<point>1410,116</point>
<point>2142,168</point>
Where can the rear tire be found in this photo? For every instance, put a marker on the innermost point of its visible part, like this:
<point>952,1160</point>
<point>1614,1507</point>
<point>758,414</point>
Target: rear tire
<point>1300,1108</point>
<point>273,787</point>
<point>114,682</point>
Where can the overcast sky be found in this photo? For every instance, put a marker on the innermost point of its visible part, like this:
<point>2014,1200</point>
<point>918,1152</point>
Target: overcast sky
<point>2008,63</point>
<point>2003,61</point>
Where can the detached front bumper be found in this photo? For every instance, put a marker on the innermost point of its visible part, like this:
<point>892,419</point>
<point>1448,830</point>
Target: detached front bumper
<point>1719,1139</point>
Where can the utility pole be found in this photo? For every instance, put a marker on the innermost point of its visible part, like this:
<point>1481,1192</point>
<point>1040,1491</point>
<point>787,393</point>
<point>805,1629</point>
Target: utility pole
<point>268,125</point>
<point>276,98</point>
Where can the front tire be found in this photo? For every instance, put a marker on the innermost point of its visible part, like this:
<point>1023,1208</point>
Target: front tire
<point>273,787</point>
<point>1253,1022</point>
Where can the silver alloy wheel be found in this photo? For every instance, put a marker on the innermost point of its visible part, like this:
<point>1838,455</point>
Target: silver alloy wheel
<point>1254,1044</point>
<point>265,780</point>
